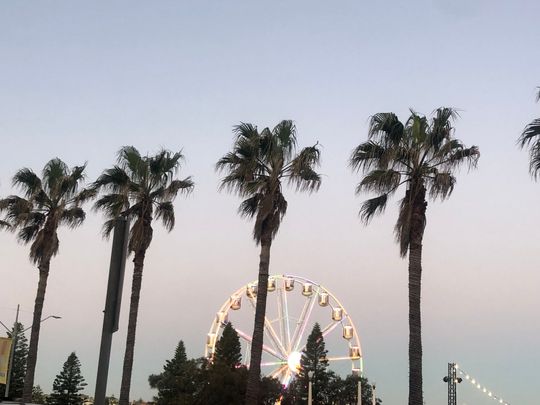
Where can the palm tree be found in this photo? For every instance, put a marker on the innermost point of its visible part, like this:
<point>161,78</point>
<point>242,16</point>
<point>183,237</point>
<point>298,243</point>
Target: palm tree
<point>255,169</point>
<point>140,188</point>
<point>421,155</point>
<point>531,138</point>
<point>49,202</point>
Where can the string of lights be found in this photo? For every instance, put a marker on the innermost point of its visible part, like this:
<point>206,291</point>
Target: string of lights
<point>482,388</point>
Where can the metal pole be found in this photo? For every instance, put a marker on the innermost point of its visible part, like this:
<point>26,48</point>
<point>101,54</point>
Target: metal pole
<point>15,332</point>
<point>309,394</point>
<point>373,398</point>
<point>112,305</point>
<point>359,394</point>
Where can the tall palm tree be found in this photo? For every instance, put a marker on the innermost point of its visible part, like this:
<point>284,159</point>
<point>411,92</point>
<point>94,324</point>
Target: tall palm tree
<point>531,138</point>
<point>422,156</point>
<point>49,202</point>
<point>140,188</point>
<point>255,169</point>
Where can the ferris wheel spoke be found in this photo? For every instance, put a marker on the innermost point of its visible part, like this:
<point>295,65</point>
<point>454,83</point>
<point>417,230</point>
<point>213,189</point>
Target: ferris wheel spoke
<point>338,358</point>
<point>273,363</point>
<point>283,308</point>
<point>303,321</point>
<point>277,372</point>
<point>270,332</point>
<point>329,328</point>
<point>265,348</point>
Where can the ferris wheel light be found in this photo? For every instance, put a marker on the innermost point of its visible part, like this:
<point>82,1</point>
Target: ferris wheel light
<point>293,361</point>
<point>473,381</point>
<point>251,291</point>
<point>271,284</point>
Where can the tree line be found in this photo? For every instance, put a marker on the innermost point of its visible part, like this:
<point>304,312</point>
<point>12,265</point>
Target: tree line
<point>420,155</point>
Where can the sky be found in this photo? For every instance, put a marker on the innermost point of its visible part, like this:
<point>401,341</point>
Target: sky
<point>79,80</point>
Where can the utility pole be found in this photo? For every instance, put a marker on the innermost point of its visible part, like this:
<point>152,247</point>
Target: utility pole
<point>111,313</point>
<point>452,380</point>
<point>14,334</point>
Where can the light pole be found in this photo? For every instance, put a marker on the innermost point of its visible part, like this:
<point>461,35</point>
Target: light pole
<point>309,392</point>
<point>14,334</point>
<point>373,400</point>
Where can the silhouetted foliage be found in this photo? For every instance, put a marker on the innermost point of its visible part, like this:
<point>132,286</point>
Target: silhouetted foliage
<point>68,384</point>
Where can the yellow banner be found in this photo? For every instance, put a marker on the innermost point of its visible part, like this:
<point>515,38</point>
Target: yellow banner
<point>5,350</point>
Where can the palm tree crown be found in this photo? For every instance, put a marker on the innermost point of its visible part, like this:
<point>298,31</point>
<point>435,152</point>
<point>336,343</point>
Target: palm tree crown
<point>531,138</point>
<point>258,164</point>
<point>420,154</point>
<point>139,188</point>
<point>53,200</point>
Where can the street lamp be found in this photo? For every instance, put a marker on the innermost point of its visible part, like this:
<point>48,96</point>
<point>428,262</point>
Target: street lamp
<point>310,395</point>
<point>373,399</point>
<point>15,333</point>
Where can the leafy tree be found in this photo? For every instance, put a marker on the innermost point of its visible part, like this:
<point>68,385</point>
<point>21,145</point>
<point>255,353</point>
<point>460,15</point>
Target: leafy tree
<point>314,359</point>
<point>228,348</point>
<point>38,396</point>
<point>19,363</point>
<point>421,155</point>
<point>141,188</point>
<point>176,384</point>
<point>255,169</point>
<point>48,202</point>
<point>530,138</point>
<point>68,384</point>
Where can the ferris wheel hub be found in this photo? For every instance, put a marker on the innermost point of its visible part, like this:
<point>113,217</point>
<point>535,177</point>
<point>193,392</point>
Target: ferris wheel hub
<point>293,361</point>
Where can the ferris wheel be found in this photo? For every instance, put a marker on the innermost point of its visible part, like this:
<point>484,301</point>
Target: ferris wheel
<point>294,304</point>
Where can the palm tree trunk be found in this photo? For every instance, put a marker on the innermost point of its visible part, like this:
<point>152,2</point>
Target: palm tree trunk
<point>34,335</point>
<point>418,221</point>
<point>132,326</point>
<point>254,375</point>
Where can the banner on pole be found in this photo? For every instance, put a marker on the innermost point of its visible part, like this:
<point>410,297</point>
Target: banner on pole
<point>5,350</point>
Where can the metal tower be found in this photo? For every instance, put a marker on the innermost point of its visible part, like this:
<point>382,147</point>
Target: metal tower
<point>452,380</point>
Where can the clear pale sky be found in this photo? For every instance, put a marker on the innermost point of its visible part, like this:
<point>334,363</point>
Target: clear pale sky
<point>80,79</point>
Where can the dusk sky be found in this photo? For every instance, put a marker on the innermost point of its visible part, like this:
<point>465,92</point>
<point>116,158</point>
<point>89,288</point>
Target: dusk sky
<point>78,80</point>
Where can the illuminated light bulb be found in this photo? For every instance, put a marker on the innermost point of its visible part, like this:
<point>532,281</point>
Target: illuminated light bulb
<point>473,381</point>
<point>478,386</point>
<point>484,390</point>
<point>467,376</point>
<point>489,394</point>
<point>456,366</point>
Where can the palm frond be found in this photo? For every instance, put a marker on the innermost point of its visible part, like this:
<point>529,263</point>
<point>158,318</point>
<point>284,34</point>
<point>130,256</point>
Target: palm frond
<point>5,225</point>
<point>165,212</point>
<point>369,155</point>
<point>115,180</point>
<point>248,208</point>
<point>70,183</point>
<point>469,156</point>
<point>302,172</point>
<point>441,185</point>
<point>27,181</point>
<point>73,217</point>
<point>372,207</point>
<point>386,127</point>
<point>27,233</point>
<point>129,159</point>
<point>108,227</point>
<point>54,172</point>
<point>380,181</point>
<point>112,204</point>
<point>163,166</point>
<point>185,186</point>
